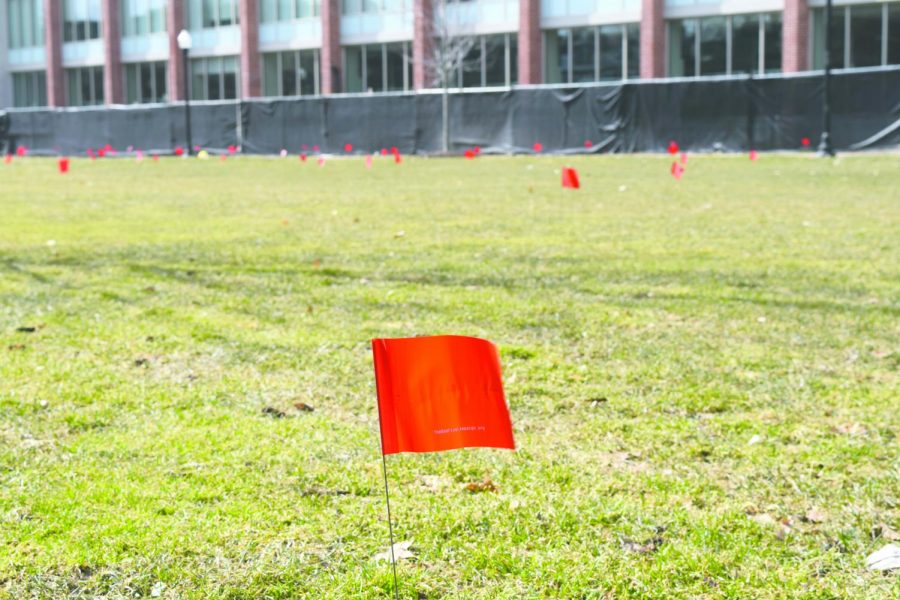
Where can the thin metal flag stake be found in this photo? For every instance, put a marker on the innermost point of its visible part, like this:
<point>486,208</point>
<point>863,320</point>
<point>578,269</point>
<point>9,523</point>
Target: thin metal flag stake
<point>387,495</point>
<point>387,498</point>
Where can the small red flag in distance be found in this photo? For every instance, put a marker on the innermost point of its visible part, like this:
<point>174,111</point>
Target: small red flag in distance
<point>368,161</point>
<point>469,154</point>
<point>588,143</point>
<point>101,152</point>
<point>21,151</point>
<point>232,148</point>
<point>805,142</point>
<point>537,147</point>
<point>348,147</point>
<point>303,157</point>
<point>315,147</point>
<point>178,151</point>
<point>440,393</point>
<point>684,158</point>
<point>384,151</point>
<point>570,178</point>
<point>63,165</point>
<point>321,161</point>
<point>677,170</point>
<point>397,158</point>
<point>394,150</point>
<point>155,157</point>
<point>673,147</point>
<point>108,147</point>
<point>754,155</point>
<point>477,150</point>
<point>8,158</point>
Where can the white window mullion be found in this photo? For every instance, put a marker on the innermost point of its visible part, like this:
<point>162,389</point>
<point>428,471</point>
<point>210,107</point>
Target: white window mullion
<point>761,43</point>
<point>847,38</point>
<point>624,34</point>
<point>697,43</point>
<point>884,34</point>
<point>728,45</point>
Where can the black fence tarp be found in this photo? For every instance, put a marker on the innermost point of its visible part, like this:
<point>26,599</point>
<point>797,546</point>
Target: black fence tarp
<point>729,114</point>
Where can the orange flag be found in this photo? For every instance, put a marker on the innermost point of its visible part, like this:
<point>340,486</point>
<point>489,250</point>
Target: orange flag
<point>570,178</point>
<point>440,393</point>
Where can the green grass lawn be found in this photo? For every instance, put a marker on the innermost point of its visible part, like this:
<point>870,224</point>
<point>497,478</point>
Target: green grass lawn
<point>702,375</point>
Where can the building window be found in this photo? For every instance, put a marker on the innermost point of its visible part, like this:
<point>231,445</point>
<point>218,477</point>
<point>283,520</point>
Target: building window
<point>862,35</point>
<point>377,68</point>
<point>586,54</point>
<point>25,21</point>
<point>81,20</point>
<point>725,45</point>
<point>143,17</point>
<point>489,62</point>
<point>208,14</point>
<point>271,11</point>
<point>293,73</point>
<point>84,86</point>
<point>355,7</point>
<point>29,89</point>
<point>214,78</point>
<point>145,82</point>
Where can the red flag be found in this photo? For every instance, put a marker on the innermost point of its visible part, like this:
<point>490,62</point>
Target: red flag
<point>348,147</point>
<point>63,165</point>
<point>477,150</point>
<point>805,142</point>
<point>303,157</point>
<point>155,157</point>
<point>588,143</point>
<point>178,151</point>
<point>232,148</point>
<point>537,147</point>
<point>368,161</point>
<point>684,158</point>
<point>440,393</point>
<point>677,170</point>
<point>570,178</point>
<point>7,159</point>
<point>20,151</point>
<point>469,154</point>
<point>754,155</point>
<point>384,151</point>
<point>673,148</point>
<point>397,158</point>
<point>315,147</point>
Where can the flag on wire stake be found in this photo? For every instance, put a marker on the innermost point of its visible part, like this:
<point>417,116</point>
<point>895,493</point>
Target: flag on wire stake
<point>438,393</point>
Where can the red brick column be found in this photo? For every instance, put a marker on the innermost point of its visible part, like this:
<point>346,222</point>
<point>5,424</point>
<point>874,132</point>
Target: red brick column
<point>795,36</point>
<point>56,89</point>
<point>251,82</point>
<point>330,55</point>
<point>530,41</point>
<point>175,73</point>
<point>423,22</point>
<point>112,52</point>
<point>653,39</point>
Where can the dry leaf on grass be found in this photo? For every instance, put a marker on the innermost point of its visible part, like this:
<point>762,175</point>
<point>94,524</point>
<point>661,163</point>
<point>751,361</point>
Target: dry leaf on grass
<point>16,347</point>
<point>435,483</point>
<point>402,551</point>
<point>882,530</point>
<point>850,429</point>
<point>651,545</point>
<point>303,407</point>
<point>274,412</point>
<point>26,329</point>
<point>814,515</point>
<point>481,486</point>
<point>886,559</point>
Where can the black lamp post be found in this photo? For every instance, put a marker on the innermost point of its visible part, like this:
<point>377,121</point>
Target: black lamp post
<point>185,42</point>
<point>825,147</point>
